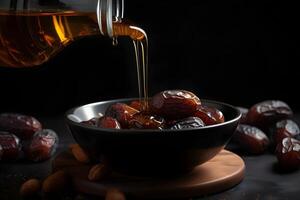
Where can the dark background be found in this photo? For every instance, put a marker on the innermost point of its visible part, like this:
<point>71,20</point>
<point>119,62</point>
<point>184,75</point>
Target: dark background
<point>239,52</point>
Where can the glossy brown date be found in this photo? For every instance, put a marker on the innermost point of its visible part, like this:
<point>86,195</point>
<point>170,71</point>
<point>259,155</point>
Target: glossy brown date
<point>190,122</point>
<point>209,115</point>
<point>266,113</point>
<point>42,146</point>
<point>108,122</point>
<point>174,104</point>
<point>122,113</point>
<point>11,146</point>
<point>145,121</point>
<point>288,154</point>
<point>21,125</point>
<point>283,129</point>
<point>251,139</point>
<point>138,105</point>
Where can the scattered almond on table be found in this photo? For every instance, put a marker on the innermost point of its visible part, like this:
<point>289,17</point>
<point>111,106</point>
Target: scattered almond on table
<point>79,154</point>
<point>58,182</point>
<point>114,194</point>
<point>55,183</point>
<point>30,187</point>
<point>98,172</point>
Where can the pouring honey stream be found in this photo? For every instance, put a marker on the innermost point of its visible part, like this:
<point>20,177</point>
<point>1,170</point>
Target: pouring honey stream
<point>31,37</point>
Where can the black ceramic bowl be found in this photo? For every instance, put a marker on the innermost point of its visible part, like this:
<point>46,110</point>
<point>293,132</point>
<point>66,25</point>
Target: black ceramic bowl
<point>151,152</point>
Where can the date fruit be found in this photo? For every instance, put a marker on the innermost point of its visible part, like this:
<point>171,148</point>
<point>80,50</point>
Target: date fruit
<point>138,105</point>
<point>252,139</point>
<point>21,125</point>
<point>174,104</point>
<point>108,122</point>
<point>122,113</point>
<point>209,115</point>
<point>11,146</point>
<point>144,121</point>
<point>42,146</point>
<point>266,113</point>
<point>288,154</point>
<point>244,112</point>
<point>190,122</point>
<point>283,129</point>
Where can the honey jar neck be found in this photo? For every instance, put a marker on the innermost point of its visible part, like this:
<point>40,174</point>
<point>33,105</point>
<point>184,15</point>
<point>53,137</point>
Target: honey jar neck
<point>107,11</point>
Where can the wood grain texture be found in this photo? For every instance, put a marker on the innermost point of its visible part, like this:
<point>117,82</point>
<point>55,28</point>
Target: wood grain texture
<point>220,173</point>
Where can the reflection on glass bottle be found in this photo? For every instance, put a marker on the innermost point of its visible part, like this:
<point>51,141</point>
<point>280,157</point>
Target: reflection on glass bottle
<point>32,37</point>
<point>34,31</point>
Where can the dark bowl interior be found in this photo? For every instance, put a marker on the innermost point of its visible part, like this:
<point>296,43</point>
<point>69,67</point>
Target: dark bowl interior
<point>151,152</point>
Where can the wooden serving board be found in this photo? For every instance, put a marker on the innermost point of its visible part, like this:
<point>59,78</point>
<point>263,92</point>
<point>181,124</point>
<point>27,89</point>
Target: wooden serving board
<point>220,173</point>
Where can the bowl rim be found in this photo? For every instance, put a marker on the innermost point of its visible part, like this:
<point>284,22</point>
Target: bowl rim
<point>139,131</point>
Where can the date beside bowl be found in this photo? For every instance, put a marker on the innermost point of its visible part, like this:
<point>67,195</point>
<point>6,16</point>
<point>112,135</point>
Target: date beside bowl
<point>151,151</point>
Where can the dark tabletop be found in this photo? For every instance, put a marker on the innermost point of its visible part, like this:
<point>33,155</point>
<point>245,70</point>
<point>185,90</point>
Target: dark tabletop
<point>262,180</point>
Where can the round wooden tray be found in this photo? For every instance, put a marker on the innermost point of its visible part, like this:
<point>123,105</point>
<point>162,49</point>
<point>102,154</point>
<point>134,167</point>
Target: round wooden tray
<point>220,173</point>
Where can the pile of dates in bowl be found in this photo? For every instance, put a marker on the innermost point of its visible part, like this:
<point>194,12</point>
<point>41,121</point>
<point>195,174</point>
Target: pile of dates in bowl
<point>171,109</point>
<point>173,132</point>
<point>268,125</point>
<point>23,138</point>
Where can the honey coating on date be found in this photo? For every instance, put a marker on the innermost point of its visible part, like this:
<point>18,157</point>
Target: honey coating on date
<point>209,115</point>
<point>180,94</point>
<point>174,104</point>
<point>138,105</point>
<point>145,121</point>
<point>108,122</point>
<point>170,109</point>
<point>122,113</point>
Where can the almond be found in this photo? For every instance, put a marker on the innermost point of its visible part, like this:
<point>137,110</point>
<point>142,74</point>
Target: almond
<point>114,194</point>
<point>30,187</point>
<point>79,153</point>
<point>56,182</point>
<point>98,172</point>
